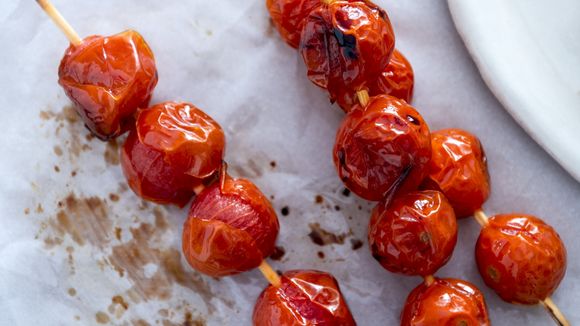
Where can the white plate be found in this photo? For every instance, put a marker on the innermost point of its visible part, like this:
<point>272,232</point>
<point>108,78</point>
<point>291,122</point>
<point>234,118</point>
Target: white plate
<point>528,53</point>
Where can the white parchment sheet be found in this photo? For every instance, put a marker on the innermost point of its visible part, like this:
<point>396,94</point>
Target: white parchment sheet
<point>78,248</point>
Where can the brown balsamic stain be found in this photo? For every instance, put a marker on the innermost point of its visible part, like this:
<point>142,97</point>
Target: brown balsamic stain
<point>118,306</point>
<point>120,301</point>
<point>46,115</point>
<point>39,209</point>
<point>68,113</point>
<point>356,244</point>
<point>83,219</point>
<point>27,211</point>
<point>336,208</point>
<point>56,168</point>
<point>57,150</point>
<point>111,154</point>
<point>189,321</point>
<point>118,233</point>
<point>322,237</point>
<point>73,173</point>
<point>318,199</point>
<point>273,164</point>
<point>72,292</point>
<point>320,254</point>
<point>51,242</point>
<point>160,220</point>
<point>123,187</point>
<point>139,322</point>
<point>114,197</point>
<point>278,253</point>
<point>102,318</point>
<point>345,192</point>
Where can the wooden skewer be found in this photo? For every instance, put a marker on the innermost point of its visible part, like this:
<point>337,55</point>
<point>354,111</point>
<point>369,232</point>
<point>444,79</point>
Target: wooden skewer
<point>269,273</point>
<point>429,279</point>
<point>59,20</point>
<point>363,97</point>
<point>481,218</point>
<point>556,314</point>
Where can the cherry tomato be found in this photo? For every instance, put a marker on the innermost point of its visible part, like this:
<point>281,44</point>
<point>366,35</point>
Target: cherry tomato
<point>173,148</point>
<point>108,79</point>
<point>289,15</point>
<point>458,168</point>
<point>415,234</point>
<point>397,80</point>
<point>448,301</point>
<point>231,228</point>
<point>346,44</point>
<point>521,258</point>
<point>303,298</point>
<point>382,147</point>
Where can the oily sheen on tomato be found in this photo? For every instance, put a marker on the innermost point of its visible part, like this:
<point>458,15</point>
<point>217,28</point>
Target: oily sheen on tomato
<point>173,148</point>
<point>414,234</point>
<point>304,297</point>
<point>397,80</point>
<point>108,79</point>
<point>520,257</point>
<point>445,302</point>
<point>345,45</point>
<point>382,147</point>
<point>458,168</point>
<point>231,228</point>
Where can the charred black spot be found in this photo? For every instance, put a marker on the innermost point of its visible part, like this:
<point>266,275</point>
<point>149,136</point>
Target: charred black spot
<point>345,192</point>
<point>278,253</point>
<point>413,120</point>
<point>341,157</point>
<point>347,43</point>
<point>285,211</point>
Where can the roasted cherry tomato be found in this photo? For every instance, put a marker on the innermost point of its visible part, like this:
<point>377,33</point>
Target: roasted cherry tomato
<point>382,147</point>
<point>289,15</point>
<point>173,148</point>
<point>521,258</point>
<point>397,80</point>
<point>231,228</point>
<point>108,79</point>
<point>458,168</point>
<point>303,298</point>
<point>447,301</point>
<point>346,45</point>
<point>415,234</point>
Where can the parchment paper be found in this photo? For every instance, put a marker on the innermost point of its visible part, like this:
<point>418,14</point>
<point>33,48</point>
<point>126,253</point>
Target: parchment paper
<point>78,248</point>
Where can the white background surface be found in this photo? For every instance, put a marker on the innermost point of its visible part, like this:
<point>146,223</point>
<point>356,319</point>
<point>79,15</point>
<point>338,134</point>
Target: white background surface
<point>224,57</point>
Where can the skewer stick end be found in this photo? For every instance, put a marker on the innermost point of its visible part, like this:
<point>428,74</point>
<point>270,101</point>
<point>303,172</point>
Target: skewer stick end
<point>481,217</point>
<point>555,312</point>
<point>363,97</point>
<point>429,279</point>
<point>269,273</point>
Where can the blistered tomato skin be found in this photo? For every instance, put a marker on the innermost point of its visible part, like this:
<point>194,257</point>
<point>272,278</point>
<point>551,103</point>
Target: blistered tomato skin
<point>173,148</point>
<point>346,44</point>
<point>397,80</point>
<point>445,302</point>
<point>382,148</point>
<point>521,258</point>
<point>458,168</point>
<point>289,15</point>
<point>415,234</point>
<point>108,79</point>
<point>305,297</point>
<point>231,228</point>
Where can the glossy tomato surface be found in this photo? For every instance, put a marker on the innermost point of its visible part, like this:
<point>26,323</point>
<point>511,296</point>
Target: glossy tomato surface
<point>231,228</point>
<point>415,234</point>
<point>521,258</point>
<point>304,297</point>
<point>108,79</point>
<point>382,147</point>
<point>346,44</point>
<point>448,302</point>
<point>173,148</point>
<point>289,15</point>
<point>397,80</point>
<point>458,168</point>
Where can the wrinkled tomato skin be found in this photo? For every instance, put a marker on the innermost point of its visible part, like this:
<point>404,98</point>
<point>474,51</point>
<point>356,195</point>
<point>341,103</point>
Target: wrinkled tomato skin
<point>415,234</point>
<point>449,302</point>
<point>521,258</point>
<point>305,297</point>
<point>458,168</point>
<point>345,45</point>
<point>108,79</point>
<point>397,80</point>
<point>289,15</point>
<point>173,148</point>
<point>231,228</point>
<point>382,148</point>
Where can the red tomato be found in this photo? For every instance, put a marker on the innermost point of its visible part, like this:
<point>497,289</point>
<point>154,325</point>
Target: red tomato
<point>397,80</point>
<point>445,302</point>
<point>458,168</point>
<point>346,44</point>
<point>108,79</point>
<point>231,228</point>
<point>521,258</point>
<point>173,149</point>
<point>382,147</point>
<point>303,298</point>
<point>415,234</point>
<point>289,15</point>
